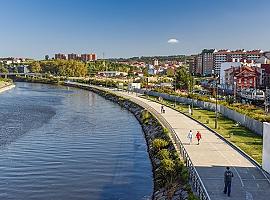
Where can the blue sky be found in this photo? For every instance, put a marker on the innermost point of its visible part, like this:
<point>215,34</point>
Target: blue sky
<point>125,28</point>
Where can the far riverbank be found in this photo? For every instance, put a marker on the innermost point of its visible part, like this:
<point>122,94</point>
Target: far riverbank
<point>4,86</point>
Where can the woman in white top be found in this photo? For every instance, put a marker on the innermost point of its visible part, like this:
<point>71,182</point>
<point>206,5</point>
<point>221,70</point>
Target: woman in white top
<point>190,136</point>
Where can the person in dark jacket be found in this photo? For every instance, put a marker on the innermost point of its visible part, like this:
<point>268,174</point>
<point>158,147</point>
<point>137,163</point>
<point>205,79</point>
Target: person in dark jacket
<point>228,175</point>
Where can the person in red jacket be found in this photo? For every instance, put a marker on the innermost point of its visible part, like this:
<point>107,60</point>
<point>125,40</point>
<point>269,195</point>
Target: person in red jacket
<point>199,137</point>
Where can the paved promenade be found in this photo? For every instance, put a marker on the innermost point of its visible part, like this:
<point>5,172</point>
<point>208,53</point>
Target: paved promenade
<point>212,156</point>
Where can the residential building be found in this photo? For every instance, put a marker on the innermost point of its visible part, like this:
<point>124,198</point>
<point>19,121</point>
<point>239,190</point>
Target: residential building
<point>220,57</point>
<point>243,77</point>
<point>88,57</point>
<point>239,55</point>
<point>192,63</point>
<point>73,56</point>
<point>23,69</point>
<point>265,58</point>
<point>199,63</point>
<point>223,68</point>
<point>265,75</point>
<point>208,61</point>
<point>205,62</point>
<point>60,56</point>
<point>151,70</point>
<point>155,62</point>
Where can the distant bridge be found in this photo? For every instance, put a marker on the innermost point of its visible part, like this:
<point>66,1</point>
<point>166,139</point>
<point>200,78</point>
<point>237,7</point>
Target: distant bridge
<point>12,74</point>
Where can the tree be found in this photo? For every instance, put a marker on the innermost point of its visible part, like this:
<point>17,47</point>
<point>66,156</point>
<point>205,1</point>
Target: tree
<point>3,69</point>
<point>35,67</point>
<point>183,79</point>
<point>170,72</point>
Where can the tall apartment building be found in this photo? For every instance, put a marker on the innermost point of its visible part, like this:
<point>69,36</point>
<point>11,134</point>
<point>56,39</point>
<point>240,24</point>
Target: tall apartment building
<point>208,61</point>
<point>240,55</point>
<point>88,57</point>
<point>192,63</point>
<point>60,56</point>
<point>199,68</point>
<point>73,56</point>
<point>205,62</point>
<point>220,56</point>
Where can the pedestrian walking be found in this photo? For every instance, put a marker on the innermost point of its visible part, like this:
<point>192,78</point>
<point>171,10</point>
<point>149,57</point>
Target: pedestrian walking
<point>228,175</point>
<point>199,137</point>
<point>162,108</point>
<point>190,136</point>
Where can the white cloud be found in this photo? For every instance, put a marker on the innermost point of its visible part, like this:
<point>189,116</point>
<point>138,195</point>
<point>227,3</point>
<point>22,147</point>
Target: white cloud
<point>173,41</point>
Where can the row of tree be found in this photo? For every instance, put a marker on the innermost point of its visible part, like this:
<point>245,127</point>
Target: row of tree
<point>96,66</point>
<point>76,68</point>
<point>149,59</point>
<point>70,68</point>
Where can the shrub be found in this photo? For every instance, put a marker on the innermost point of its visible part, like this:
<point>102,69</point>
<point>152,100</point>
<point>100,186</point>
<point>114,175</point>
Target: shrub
<point>163,154</point>
<point>159,144</point>
<point>145,116</point>
<point>167,170</point>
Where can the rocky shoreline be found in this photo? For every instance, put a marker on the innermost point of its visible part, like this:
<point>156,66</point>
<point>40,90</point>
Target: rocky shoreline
<point>152,130</point>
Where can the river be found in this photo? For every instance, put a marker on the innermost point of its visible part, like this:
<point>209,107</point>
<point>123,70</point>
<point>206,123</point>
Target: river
<point>65,143</point>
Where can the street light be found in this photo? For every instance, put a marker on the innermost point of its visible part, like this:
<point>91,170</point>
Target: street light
<point>175,88</point>
<point>192,85</point>
<point>216,110</point>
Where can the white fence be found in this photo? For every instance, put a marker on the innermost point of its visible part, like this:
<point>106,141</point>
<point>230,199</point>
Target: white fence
<point>266,147</point>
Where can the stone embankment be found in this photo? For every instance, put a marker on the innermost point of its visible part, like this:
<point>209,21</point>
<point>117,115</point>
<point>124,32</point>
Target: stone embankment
<point>152,130</point>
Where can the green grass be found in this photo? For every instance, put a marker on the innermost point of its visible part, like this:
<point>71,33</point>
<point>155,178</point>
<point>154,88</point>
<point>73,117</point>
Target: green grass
<point>242,137</point>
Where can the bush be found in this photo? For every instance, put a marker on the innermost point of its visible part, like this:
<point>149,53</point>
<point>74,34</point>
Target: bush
<point>159,144</point>
<point>145,115</point>
<point>163,154</point>
<point>167,170</point>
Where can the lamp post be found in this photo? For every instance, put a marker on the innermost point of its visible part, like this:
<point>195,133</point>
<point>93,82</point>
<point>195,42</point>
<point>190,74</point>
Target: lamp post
<point>192,85</point>
<point>235,88</point>
<point>216,109</point>
<point>216,119</point>
<point>175,88</point>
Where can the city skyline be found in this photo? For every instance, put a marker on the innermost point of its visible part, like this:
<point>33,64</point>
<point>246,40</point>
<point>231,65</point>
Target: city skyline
<point>127,28</point>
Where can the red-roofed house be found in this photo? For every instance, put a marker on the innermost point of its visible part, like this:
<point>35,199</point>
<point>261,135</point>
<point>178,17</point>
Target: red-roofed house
<point>243,77</point>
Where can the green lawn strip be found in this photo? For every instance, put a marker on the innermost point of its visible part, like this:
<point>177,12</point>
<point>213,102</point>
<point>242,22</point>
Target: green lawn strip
<point>242,137</point>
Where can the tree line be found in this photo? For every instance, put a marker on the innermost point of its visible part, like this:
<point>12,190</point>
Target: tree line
<point>75,68</point>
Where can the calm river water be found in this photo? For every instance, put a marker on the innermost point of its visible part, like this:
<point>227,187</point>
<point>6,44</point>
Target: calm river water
<point>65,143</point>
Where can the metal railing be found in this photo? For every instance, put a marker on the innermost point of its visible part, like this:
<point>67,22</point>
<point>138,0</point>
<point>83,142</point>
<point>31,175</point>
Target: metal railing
<point>194,177</point>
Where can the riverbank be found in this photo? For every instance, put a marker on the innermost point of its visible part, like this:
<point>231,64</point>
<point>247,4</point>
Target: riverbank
<point>4,86</point>
<point>169,172</point>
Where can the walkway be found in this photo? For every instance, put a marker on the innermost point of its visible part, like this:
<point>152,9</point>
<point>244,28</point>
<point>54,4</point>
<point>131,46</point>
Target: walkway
<point>212,156</point>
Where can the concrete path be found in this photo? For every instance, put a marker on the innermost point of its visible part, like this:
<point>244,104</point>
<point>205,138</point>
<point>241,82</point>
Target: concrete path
<point>212,156</point>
